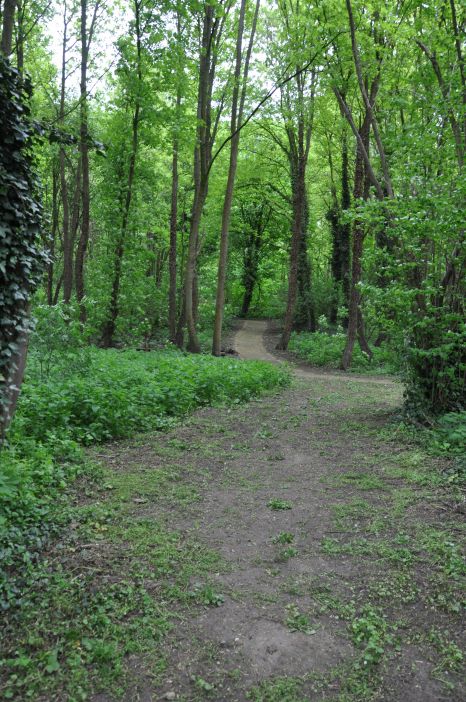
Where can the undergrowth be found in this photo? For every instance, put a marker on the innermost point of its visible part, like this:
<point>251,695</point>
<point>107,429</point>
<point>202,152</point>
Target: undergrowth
<point>324,349</point>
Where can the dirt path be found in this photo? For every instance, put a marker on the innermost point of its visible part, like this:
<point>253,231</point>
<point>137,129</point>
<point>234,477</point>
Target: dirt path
<point>249,343</point>
<point>301,568</point>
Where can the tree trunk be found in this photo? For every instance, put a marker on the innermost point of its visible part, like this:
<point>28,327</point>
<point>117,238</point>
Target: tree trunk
<point>172,260</point>
<point>14,381</point>
<point>304,318</point>
<point>20,36</point>
<point>236,119</point>
<point>53,235</point>
<point>84,154</point>
<point>298,209</point>
<point>202,158</point>
<point>110,325</point>
<point>173,233</point>
<point>345,229</point>
<point>362,337</point>
<point>66,242</point>
<point>247,298</point>
<point>8,23</point>
<point>358,238</point>
<point>368,103</point>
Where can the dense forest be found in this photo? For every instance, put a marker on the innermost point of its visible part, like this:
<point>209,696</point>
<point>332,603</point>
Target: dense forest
<point>171,168</point>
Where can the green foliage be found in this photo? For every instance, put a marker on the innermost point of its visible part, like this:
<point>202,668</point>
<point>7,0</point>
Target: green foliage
<point>297,621</point>
<point>33,476</point>
<point>448,435</point>
<point>324,349</point>
<point>420,304</point>
<point>278,504</point>
<point>82,636</point>
<point>436,364</point>
<point>284,537</point>
<point>127,391</point>
<point>57,339</point>
<point>370,632</point>
<point>206,595</point>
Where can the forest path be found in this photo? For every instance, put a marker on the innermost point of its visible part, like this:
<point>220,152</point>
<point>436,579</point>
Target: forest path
<point>278,538</point>
<point>250,345</point>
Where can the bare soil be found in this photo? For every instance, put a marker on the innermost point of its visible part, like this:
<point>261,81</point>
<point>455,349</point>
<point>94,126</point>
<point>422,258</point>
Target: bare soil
<point>313,448</point>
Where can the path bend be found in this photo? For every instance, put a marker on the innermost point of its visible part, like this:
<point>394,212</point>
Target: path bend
<point>249,344</point>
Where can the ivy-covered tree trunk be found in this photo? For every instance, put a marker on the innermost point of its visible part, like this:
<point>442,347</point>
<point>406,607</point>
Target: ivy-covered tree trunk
<point>21,256</point>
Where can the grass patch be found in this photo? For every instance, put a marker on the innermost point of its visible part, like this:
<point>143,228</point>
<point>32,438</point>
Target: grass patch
<point>277,690</point>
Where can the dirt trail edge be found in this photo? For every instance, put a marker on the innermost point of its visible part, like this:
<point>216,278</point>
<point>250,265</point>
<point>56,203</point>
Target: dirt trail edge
<point>301,562</point>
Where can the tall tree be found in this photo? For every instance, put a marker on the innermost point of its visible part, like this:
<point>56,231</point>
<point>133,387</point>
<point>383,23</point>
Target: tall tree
<point>20,214</point>
<point>127,192</point>
<point>213,23</point>
<point>86,36</point>
<point>240,82</point>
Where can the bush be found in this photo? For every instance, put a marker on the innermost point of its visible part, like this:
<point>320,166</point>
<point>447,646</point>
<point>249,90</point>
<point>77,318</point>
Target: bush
<point>449,434</point>
<point>436,361</point>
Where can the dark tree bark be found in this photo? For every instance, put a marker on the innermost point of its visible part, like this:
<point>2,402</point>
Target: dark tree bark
<point>53,233</point>
<point>299,140</point>
<point>255,217</point>
<point>299,193</point>
<point>201,163</point>
<point>86,39</point>
<point>20,35</point>
<point>8,23</point>
<point>67,245</point>
<point>345,229</point>
<point>354,312</point>
<point>304,317</point>
<point>340,233</point>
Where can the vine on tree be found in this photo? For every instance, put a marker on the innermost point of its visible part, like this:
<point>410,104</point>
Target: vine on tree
<point>21,253</point>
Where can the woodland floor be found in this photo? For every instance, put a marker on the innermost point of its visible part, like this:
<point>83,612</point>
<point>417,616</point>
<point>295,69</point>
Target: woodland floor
<point>309,542</point>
